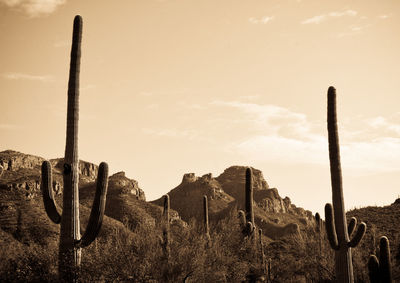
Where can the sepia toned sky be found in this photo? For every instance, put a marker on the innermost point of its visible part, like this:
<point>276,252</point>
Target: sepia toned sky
<point>176,86</point>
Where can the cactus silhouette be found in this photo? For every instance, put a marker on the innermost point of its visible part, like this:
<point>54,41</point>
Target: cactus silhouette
<point>337,232</point>
<point>71,241</point>
<point>166,240</point>
<point>262,255</point>
<point>205,213</point>
<point>380,271</point>
<point>249,202</point>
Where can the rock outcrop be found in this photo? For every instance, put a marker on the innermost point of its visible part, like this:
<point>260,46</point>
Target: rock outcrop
<point>120,182</point>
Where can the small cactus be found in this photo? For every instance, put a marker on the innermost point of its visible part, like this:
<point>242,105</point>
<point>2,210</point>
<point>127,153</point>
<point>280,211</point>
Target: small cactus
<point>337,232</point>
<point>166,229</point>
<point>205,213</point>
<point>380,271</point>
<point>262,255</point>
<point>71,241</point>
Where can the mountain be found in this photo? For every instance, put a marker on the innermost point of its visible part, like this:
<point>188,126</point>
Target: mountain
<point>276,216</point>
<point>21,203</point>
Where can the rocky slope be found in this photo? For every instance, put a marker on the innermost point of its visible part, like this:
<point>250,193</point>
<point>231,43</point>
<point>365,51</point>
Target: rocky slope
<point>21,203</point>
<point>276,216</point>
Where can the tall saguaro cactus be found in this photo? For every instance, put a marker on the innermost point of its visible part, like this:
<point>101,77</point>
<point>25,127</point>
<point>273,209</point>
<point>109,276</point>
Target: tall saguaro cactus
<point>380,271</point>
<point>249,200</point>
<point>71,241</point>
<point>336,228</point>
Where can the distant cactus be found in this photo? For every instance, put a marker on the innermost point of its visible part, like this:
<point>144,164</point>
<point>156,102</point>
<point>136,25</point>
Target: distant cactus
<point>70,240</point>
<point>249,202</point>
<point>262,255</point>
<point>318,222</point>
<point>380,271</point>
<point>205,213</point>
<point>166,229</point>
<point>336,228</point>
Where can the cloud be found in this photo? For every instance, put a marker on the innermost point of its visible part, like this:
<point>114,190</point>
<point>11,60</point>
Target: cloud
<point>62,43</point>
<point>21,76</point>
<point>277,134</point>
<point>9,127</point>
<point>262,20</point>
<point>384,17</point>
<point>272,117</point>
<point>34,8</point>
<point>320,18</point>
<point>189,134</point>
<point>384,125</point>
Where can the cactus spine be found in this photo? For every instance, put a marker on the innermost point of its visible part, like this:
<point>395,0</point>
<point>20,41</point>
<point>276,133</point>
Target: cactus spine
<point>336,229</point>
<point>166,227</point>
<point>71,241</point>
<point>205,213</point>
<point>250,225</point>
<point>380,271</point>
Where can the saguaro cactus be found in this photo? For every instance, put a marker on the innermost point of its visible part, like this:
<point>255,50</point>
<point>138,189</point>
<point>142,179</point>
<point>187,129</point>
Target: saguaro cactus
<point>249,201</point>
<point>262,255</point>
<point>336,228</point>
<point>380,271</point>
<point>166,227</point>
<point>71,241</point>
<point>205,213</point>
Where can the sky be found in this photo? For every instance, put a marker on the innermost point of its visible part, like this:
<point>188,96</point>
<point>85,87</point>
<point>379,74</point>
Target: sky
<point>176,86</point>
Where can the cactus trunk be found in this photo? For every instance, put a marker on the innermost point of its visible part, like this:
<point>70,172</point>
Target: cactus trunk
<point>205,212</point>
<point>249,196</point>
<point>336,224</point>
<point>166,227</point>
<point>70,238</point>
<point>343,266</point>
<point>69,254</point>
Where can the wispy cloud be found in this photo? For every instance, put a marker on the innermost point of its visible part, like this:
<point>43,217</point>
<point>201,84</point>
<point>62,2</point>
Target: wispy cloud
<point>22,76</point>
<point>34,8</point>
<point>384,17</point>
<point>9,127</point>
<point>62,43</point>
<point>262,20</point>
<point>320,18</point>
<point>189,134</point>
<point>284,136</point>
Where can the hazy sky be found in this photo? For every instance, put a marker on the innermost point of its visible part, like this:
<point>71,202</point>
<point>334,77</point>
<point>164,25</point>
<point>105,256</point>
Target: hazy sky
<point>169,87</point>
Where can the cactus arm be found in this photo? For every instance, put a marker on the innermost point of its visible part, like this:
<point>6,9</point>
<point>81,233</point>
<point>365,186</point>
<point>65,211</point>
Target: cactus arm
<point>352,225</point>
<point>249,228</point>
<point>98,208</point>
<point>358,236</point>
<point>373,269</point>
<point>385,267</point>
<point>330,227</point>
<point>48,196</point>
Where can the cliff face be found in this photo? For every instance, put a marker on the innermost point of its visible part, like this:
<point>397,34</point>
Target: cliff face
<point>22,172</point>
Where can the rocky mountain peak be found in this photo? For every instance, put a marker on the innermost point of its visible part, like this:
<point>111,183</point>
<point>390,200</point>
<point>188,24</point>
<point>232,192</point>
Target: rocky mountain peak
<point>119,182</point>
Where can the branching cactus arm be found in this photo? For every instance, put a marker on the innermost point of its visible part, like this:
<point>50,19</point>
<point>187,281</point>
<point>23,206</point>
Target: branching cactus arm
<point>48,195</point>
<point>98,208</point>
